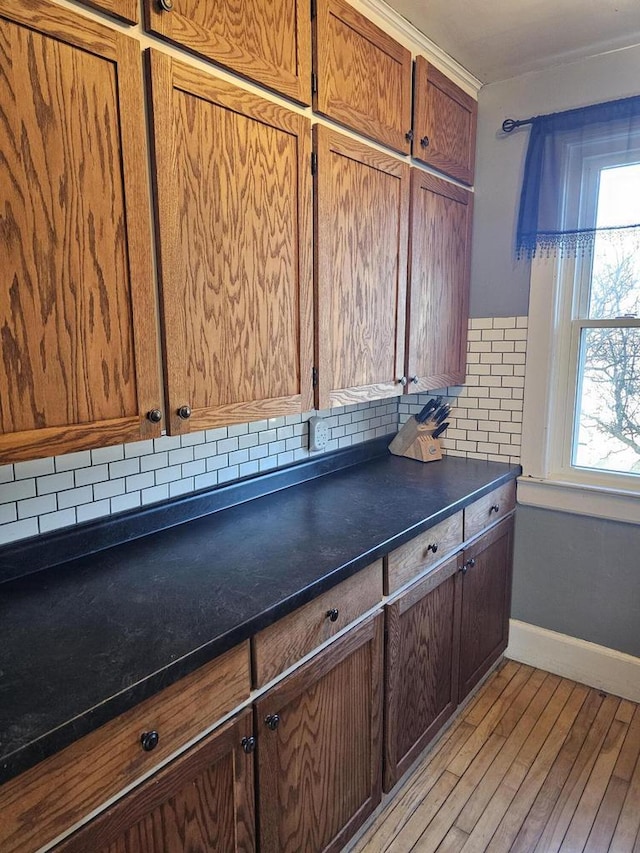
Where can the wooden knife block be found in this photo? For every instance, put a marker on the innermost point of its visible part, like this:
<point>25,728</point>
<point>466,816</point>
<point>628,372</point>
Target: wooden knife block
<point>416,441</point>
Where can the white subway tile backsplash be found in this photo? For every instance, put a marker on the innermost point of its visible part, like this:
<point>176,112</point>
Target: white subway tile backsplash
<point>36,506</point>
<point>71,461</point>
<point>54,482</point>
<point>17,491</point>
<point>75,497</point>
<point>55,520</point>
<point>107,454</point>
<point>37,468</point>
<point>112,479</point>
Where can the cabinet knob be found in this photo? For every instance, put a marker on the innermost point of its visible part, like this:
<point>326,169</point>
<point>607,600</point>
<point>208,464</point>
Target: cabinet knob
<point>424,142</point>
<point>494,508</point>
<point>272,721</point>
<point>184,412</point>
<point>155,416</point>
<point>149,740</point>
<point>332,615</point>
<point>248,744</point>
<point>414,379</point>
<point>432,547</point>
<point>403,380</point>
<point>165,5</point>
<point>409,136</point>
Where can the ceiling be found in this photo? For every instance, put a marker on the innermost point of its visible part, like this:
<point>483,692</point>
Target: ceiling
<point>498,39</point>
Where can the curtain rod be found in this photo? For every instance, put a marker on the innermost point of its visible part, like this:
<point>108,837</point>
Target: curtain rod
<point>510,124</point>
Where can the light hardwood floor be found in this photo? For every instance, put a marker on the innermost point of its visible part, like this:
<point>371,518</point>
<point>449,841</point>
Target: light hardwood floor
<point>535,762</point>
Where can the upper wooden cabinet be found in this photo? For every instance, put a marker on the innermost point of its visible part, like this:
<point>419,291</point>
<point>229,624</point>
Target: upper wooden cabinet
<point>362,199</point>
<point>268,41</point>
<point>234,231</point>
<point>441,215</point>
<point>444,123</point>
<point>363,76</point>
<point>125,10</point>
<point>78,361</point>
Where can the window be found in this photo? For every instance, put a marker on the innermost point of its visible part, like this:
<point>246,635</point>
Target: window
<point>581,430</point>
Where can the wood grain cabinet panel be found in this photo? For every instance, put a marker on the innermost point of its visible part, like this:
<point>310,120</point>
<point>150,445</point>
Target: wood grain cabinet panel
<point>444,123</point>
<point>362,199</point>
<point>319,763</point>
<point>421,666</point>
<point>486,603</point>
<point>125,10</point>
<point>489,509</point>
<point>268,41</point>
<point>234,230</point>
<point>200,803</point>
<point>438,301</point>
<point>416,556</point>
<point>78,340</point>
<point>363,76</point>
<point>282,644</point>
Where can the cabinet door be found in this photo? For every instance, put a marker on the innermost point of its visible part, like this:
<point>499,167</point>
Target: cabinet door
<point>125,10</point>
<point>319,746</point>
<point>440,255</point>
<point>234,229</point>
<point>362,76</point>
<point>444,125</point>
<point>203,802</point>
<point>78,345</point>
<point>362,202</point>
<point>421,672</point>
<point>486,603</point>
<point>268,41</point>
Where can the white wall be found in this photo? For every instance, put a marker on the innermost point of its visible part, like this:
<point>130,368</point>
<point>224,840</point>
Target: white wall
<point>499,283</point>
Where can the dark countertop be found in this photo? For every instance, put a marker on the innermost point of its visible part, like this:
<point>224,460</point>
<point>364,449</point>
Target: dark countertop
<point>83,641</point>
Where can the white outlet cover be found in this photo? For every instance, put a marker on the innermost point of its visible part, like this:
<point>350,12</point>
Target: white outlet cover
<point>318,433</point>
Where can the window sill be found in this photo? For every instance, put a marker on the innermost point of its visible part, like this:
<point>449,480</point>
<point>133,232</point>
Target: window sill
<point>580,499</point>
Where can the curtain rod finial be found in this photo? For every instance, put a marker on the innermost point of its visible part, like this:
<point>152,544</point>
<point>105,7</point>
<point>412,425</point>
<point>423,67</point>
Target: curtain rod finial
<point>508,125</point>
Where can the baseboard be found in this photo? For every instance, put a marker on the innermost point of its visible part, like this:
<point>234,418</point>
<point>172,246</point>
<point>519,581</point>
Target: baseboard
<point>607,669</point>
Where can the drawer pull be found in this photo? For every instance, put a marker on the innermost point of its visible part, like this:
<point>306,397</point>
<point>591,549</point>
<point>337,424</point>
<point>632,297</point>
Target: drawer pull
<point>432,547</point>
<point>248,744</point>
<point>272,721</point>
<point>494,508</point>
<point>149,740</point>
<point>332,615</point>
<point>468,565</point>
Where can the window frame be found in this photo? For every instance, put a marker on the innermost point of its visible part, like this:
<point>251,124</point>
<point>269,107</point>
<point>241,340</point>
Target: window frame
<point>558,312</point>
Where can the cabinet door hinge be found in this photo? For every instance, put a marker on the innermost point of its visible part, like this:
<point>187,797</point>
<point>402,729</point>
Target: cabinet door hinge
<point>314,377</point>
<point>314,166</point>
<point>314,84</point>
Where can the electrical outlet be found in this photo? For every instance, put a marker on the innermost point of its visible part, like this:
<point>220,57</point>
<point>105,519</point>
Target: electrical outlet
<point>318,433</point>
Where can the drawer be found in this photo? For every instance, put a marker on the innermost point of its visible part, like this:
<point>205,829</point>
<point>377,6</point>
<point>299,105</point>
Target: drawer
<point>423,551</point>
<point>71,784</point>
<point>489,509</point>
<point>282,644</point>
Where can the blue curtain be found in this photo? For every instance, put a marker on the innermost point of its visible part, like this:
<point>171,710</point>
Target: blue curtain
<point>546,223</point>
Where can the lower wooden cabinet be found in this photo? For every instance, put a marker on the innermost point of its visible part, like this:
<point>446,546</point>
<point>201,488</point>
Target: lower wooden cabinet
<point>203,801</point>
<point>421,671</point>
<point>486,602</point>
<point>319,746</point>
<point>442,635</point>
